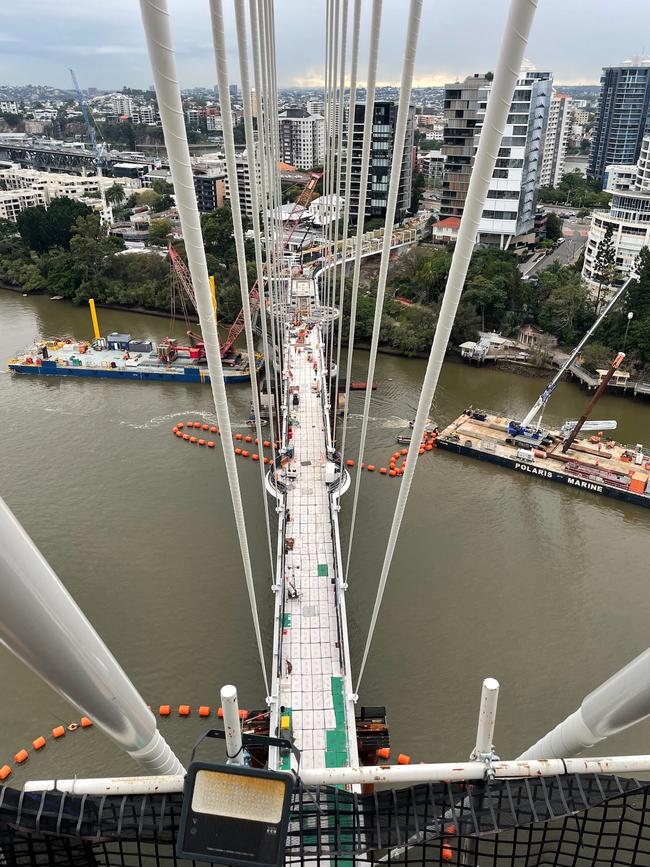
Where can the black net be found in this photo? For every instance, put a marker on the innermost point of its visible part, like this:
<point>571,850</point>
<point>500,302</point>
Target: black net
<point>569,821</point>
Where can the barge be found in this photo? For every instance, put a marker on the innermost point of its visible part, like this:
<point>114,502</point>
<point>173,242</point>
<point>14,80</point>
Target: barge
<point>593,465</point>
<point>117,356</point>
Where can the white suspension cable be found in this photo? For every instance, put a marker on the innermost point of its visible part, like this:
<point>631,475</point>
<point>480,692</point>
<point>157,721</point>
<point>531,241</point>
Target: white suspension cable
<point>346,206</point>
<point>375,27</point>
<point>155,17</point>
<point>240,18</point>
<point>520,19</point>
<point>410,47</point>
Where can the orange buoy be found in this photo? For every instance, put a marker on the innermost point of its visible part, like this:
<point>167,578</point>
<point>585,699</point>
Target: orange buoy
<point>186,437</point>
<point>183,710</point>
<point>350,463</point>
<point>243,714</point>
<point>371,468</point>
<point>383,753</point>
<point>21,756</point>
<point>164,709</point>
<point>403,759</point>
<point>245,454</point>
<point>267,444</point>
<point>257,442</point>
<point>39,743</point>
<point>362,465</point>
<point>450,830</point>
<point>400,472</point>
<point>248,439</point>
<point>58,732</point>
<point>193,440</point>
<point>392,472</point>
<point>266,460</point>
<point>447,853</point>
<point>204,710</point>
<point>5,771</point>
<point>237,451</point>
<point>85,722</point>
<point>382,471</point>
<point>420,451</point>
<point>255,457</point>
<point>205,426</point>
<point>197,424</point>
<point>201,442</point>
<point>179,425</point>
<point>238,436</point>
<point>395,455</point>
<point>392,465</point>
<point>214,429</point>
<point>404,451</point>
<point>428,447</point>
<point>210,444</point>
<point>179,434</point>
<point>174,429</point>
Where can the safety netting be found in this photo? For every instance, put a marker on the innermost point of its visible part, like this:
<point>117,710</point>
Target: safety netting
<point>571,821</point>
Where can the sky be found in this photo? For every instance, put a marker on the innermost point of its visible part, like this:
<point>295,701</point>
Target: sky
<point>103,40</point>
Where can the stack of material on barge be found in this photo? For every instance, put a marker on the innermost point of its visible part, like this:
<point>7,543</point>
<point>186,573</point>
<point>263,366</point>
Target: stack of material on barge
<point>593,464</point>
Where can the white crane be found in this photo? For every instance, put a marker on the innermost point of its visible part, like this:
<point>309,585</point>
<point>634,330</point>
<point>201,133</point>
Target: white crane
<point>107,212</point>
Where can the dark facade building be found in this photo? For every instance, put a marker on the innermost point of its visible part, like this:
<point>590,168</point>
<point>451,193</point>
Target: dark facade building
<point>381,159</point>
<point>210,190</point>
<point>623,116</point>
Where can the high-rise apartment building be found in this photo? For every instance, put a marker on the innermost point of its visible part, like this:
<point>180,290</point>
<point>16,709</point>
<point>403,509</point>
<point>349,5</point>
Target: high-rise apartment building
<point>628,219</point>
<point>555,141</point>
<point>509,214</point>
<point>381,159</point>
<point>622,118</point>
<point>302,138</point>
<point>122,105</point>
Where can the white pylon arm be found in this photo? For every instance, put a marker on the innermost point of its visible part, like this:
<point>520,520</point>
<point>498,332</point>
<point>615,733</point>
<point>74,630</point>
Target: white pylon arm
<point>155,19</point>
<point>520,19</point>
<point>620,702</point>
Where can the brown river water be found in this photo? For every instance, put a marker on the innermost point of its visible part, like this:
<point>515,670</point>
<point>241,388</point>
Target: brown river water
<point>496,573</point>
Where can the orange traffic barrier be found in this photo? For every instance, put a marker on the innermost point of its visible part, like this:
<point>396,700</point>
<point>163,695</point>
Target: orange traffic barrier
<point>238,436</point>
<point>204,710</point>
<point>403,759</point>
<point>39,743</point>
<point>85,722</point>
<point>255,457</point>
<point>5,771</point>
<point>164,710</point>
<point>21,756</point>
<point>58,732</point>
<point>383,753</point>
<point>210,444</point>
<point>183,710</point>
<point>201,442</point>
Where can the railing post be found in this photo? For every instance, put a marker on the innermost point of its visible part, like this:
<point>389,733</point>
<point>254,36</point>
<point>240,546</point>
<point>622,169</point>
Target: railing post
<point>232,725</point>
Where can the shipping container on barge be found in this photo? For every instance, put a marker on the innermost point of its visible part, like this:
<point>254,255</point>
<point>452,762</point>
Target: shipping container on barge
<point>591,464</point>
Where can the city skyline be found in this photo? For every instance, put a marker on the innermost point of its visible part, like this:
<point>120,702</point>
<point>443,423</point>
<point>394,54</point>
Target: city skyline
<point>106,46</point>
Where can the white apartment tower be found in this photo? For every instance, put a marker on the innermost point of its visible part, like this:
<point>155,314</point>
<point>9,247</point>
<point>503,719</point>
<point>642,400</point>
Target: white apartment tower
<point>122,105</point>
<point>555,142</point>
<point>628,217</point>
<point>302,138</point>
<point>509,215</point>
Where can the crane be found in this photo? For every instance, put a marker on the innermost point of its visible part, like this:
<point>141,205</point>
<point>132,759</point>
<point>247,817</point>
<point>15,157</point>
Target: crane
<point>515,427</point>
<point>107,213</point>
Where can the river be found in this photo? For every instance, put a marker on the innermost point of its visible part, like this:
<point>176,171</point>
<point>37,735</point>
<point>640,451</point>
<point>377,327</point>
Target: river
<point>496,573</point>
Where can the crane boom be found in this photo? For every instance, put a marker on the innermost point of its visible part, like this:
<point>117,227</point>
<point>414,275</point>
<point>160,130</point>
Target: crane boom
<point>107,214</point>
<point>542,400</point>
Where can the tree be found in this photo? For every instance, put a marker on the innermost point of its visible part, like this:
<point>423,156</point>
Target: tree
<point>417,190</point>
<point>42,229</point>
<point>218,236</point>
<point>605,263</point>
<point>596,356</point>
<point>158,232</point>
<point>163,203</point>
<point>161,187</point>
<point>553,227</point>
<point>115,194</point>
<point>489,297</point>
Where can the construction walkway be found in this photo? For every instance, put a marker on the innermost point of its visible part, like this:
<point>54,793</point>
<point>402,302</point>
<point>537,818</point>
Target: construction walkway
<point>311,689</point>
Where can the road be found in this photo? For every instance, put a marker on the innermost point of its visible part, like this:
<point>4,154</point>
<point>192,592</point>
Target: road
<point>575,234</point>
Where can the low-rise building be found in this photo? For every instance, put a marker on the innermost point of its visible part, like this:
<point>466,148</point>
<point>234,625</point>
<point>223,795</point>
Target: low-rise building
<point>445,231</point>
<point>210,190</point>
<point>12,202</point>
<point>629,220</point>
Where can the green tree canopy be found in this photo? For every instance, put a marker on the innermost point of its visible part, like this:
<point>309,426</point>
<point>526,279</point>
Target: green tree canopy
<point>42,229</point>
<point>158,232</point>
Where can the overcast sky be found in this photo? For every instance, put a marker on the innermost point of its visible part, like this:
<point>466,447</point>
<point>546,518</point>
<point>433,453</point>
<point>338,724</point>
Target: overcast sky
<point>103,41</point>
